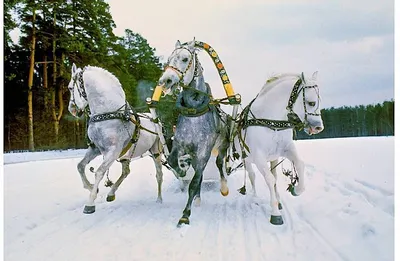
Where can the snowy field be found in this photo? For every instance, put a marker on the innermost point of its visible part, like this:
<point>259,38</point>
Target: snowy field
<point>346,212</point>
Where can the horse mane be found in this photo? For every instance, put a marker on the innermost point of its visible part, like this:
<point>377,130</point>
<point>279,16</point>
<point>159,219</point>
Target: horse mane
<point>274,80</point>
<point>104,72</point>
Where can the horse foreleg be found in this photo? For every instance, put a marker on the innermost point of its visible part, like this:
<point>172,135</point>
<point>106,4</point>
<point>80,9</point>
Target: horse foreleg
<point>125,172</point>
<point>99,175</point>
<point>192,191</point>
<point>298,168</point>
<point>224,183</point>
<point>91,153</point>
<point>183,184</point>
<point>276,217</point>
<point>197,198</point>
<point>274,165</point>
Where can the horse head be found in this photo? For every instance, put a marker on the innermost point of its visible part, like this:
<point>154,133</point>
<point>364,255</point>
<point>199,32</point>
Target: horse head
<point>181,67</point>
<point>307,105</point>
<point>78,100</point>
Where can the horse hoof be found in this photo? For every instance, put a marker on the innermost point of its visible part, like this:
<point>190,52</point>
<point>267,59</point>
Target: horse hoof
<point>159,200</point>
<point>276,220</point>
<point>183,220</point>
<point>197,202</point>
<point>89,209</point>
<point>292,190</point>
<point>280,206</point>
<point>110,198</point>
<point>224,193</point>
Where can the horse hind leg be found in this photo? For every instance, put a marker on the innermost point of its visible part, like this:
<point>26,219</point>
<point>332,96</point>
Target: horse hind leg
<point>156,151</point>
<point>91,153</point>
<point>108,160</point>
<point>159,176</point>
<point>224,183</point>
<point>274,165</point>
<point>125,172</point>
<point>252,176</point>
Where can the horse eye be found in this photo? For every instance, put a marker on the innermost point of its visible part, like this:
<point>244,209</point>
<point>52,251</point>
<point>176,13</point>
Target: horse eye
<point>185,60</point>
<point>312,104</point>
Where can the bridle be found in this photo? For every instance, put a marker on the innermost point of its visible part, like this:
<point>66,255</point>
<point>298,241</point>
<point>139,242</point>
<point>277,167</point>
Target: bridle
<point>78,83</point>
<point>181,74</point>
<point>298,87</point>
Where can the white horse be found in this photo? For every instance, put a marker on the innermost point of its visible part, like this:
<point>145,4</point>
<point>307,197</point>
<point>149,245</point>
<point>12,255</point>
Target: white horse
<point>114,130</point>
<point>266,126</point>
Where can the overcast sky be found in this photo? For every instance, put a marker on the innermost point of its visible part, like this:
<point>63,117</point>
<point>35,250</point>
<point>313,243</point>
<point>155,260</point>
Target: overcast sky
<point>350,43</point>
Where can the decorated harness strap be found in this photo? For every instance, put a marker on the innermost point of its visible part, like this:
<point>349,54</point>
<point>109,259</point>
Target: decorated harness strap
<point>125,115</point>
<point>293,121</point>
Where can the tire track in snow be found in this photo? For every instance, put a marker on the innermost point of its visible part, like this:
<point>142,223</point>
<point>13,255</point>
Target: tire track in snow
<point>244,219</point>
<point>48,233</point>
<point>233,228</point>
<point>220,234</point>
<point>105,232</point>
<point>257,229</point>
<point>210,238</point>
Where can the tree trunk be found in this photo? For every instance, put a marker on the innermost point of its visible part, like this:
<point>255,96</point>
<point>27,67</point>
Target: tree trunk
<point>45,85</point>
<point>77,133</point>
<point>56,114</point>
<point>53,93</point>
<point>9,134</point>
<point>30,84</point>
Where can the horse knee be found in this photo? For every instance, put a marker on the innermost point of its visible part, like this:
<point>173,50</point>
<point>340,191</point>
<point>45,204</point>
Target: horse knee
<point>159,176</point>
<point>81,167</point>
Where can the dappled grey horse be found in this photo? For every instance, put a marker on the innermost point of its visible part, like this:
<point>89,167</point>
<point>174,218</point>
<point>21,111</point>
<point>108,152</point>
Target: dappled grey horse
<point>200,129</point>
<point>115,131</point>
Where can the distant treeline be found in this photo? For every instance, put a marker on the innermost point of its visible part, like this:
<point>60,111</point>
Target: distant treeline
<point>370,120</point>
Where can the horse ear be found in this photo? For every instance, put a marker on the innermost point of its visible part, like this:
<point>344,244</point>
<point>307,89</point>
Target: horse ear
<point>178,44</point>
<point>192,44</point>
<point>314,76</point>
<point>73,70</point>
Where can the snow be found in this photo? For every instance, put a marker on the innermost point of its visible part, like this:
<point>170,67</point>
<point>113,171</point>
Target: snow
<point>17,157</point>
<point>346,212</point>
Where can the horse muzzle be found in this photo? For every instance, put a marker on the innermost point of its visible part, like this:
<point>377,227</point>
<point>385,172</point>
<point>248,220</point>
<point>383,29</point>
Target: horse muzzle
<point>75,111</point>
<point>311,130</point>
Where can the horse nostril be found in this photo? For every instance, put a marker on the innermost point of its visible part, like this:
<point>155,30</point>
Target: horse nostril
<point>318,128</point>
<point>182,165</point>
